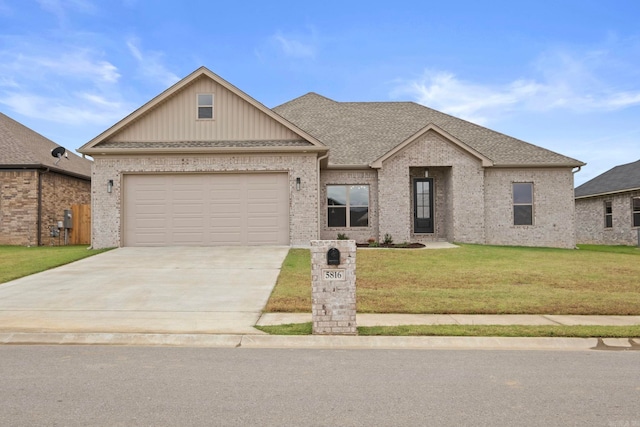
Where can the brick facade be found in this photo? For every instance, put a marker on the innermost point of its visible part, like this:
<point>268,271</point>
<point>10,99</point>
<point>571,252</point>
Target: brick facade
<point>553,207</point>
<point>590,221</point>
<point>107,207</point>
<point>59,192</point>
<point>459,184</point>
<point>19,204</point>
<point>350,177</point>
<point>472,204</point>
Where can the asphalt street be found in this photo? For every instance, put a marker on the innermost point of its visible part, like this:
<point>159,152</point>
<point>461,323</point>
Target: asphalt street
<point>153,386</point>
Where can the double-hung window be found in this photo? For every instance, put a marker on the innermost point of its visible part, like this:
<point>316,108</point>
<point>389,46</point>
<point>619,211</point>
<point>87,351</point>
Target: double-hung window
<point>636,211</point>
<point>608,214</point>
<point>348,205</point>
<point>522,203</point>
<point>205,106</point>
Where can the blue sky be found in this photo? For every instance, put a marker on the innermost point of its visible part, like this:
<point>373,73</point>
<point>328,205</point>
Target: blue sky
<point>561,74</point>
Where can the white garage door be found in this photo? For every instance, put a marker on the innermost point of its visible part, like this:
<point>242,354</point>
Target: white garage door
<point>206,209</point>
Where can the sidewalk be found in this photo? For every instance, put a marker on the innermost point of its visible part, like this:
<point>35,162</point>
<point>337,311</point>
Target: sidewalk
<point>259,339</point>
<point>365,319</point>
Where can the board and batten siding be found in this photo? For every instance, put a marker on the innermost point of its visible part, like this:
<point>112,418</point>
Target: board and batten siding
<point>175,119</point>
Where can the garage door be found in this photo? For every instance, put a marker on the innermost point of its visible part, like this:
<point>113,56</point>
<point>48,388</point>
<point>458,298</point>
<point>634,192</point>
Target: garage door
<point>206,209</point>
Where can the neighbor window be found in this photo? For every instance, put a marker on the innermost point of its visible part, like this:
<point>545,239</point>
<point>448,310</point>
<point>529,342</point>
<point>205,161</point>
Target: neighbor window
<point>608,215</point>
<point>636,212</point>
<point>523,203</point>
<point>205,106</point>
<point>348,205</point>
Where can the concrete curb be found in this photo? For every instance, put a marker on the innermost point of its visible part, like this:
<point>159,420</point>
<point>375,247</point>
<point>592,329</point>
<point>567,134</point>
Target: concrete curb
<point>314,341</point>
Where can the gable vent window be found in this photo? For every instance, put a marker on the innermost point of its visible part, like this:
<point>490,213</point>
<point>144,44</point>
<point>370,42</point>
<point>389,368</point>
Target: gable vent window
<point>205,106</point>
<point>608,215</point>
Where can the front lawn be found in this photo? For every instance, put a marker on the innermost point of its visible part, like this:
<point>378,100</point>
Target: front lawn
<point>478,279</point>
<point>19,261</point>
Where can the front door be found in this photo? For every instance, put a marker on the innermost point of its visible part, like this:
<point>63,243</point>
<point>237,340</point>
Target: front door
<point>423,205</point>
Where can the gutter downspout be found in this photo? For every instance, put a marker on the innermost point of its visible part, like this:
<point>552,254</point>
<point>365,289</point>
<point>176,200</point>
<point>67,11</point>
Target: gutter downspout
<point>321,158</point>
<point>576,171</point>
<point>39,219</point>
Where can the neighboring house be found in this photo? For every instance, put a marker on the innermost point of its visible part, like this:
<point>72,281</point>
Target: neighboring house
<point>608,207</point>
<point>35,187</point>
<point>203,163</point>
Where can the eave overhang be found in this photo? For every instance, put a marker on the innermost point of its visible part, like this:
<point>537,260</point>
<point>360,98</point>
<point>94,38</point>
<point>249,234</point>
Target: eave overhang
<point>41,167</point>
<point>97,151</point>
<point>608,193</point>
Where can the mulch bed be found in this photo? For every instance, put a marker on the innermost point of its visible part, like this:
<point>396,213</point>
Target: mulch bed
<point>393,245</point>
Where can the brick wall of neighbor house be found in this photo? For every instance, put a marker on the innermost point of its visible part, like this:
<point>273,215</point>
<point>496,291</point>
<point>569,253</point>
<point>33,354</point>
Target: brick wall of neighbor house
<point>590,223</point>
<point>59,192</point>
<point>18,208</point>
<point>553,207</point>
<point>465,189</point>
<point>363,177</point>
<point>106,208</point>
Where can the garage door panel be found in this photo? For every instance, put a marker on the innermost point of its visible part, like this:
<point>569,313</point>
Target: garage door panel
<point>206,209</point>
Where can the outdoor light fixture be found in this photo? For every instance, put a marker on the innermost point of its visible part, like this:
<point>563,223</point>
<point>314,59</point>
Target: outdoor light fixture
<point>298,184</point>
<point>426,173</point>
<point>109,186</point>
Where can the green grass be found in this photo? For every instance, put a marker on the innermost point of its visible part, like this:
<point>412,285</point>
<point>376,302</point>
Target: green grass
<point>472,331</point>
<point>478,279</point>
<point>20,261</point>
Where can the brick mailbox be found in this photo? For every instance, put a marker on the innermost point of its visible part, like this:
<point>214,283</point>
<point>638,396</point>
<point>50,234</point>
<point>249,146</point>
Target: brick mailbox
<point>333,281</point>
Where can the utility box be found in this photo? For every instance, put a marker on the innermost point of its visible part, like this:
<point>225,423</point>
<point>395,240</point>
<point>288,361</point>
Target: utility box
<point>68,219</point>
<point>333,282</point>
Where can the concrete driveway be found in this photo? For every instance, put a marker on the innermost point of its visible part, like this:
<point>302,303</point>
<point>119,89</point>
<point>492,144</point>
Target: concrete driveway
<point>147,290</point>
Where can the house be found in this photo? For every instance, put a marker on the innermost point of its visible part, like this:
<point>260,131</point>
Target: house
<point>608,207</point>
<point>35,187</point>
<point>203,163</point>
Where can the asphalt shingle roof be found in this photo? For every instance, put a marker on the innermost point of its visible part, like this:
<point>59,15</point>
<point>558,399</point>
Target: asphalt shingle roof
<point>21,146</point>
<point>620,178</point>
<point>358,133</point>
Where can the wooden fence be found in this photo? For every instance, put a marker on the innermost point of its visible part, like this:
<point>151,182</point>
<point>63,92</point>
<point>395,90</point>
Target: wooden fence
<point>81,231</point>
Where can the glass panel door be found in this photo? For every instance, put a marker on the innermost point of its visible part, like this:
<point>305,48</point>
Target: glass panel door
<point>423,205</point>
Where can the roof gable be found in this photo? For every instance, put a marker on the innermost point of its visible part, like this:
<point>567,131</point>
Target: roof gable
<point>615,180</point>
<point>22,147</point>
<point>431,127</point>
<point>169,123</point>
<point>359,133</point>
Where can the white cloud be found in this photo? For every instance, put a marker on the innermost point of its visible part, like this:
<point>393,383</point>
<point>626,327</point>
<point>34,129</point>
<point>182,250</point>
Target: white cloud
<point>563,82</point>
<point>60,83</point>
<point>150,64</point>
<point>294,47</point>
<point>60,8</point>
<point>82,109</point>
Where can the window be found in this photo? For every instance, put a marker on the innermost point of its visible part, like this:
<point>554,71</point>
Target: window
<point>205,106</point>
<point>608,215</point>
<point>348,205</point>
<point>522,203</point>
<point>636,211</point>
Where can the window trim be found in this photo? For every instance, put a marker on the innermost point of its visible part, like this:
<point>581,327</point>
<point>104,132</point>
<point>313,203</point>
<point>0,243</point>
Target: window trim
<point>635,212</point>
<point>608,214</point>
<point>514,204</point>
<point>347,207</point>
<point>212,106</point>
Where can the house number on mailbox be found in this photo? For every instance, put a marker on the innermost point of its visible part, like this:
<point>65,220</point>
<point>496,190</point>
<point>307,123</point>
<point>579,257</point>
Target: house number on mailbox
<point>333,274</point>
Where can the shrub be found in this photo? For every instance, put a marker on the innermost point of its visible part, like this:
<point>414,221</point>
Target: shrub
<point>388,240</point>
<point>342,236</point>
